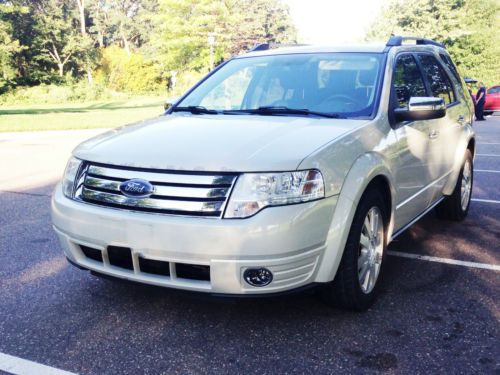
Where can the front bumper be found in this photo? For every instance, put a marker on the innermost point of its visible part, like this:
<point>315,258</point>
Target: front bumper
<point>288,240</point>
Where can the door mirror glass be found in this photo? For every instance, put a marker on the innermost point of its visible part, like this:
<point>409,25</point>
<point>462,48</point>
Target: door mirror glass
<point>421,108</point>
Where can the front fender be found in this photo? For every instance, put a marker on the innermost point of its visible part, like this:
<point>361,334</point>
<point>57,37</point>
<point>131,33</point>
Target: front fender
<point>362,172</point>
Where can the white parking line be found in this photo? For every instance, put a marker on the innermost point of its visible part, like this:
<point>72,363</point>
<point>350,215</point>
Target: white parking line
<point>19,366</point>
<point>489,155</point>
<point>482,143</point>
<point>485,200</point>
<point>486,266</point>
<point>486,171</point>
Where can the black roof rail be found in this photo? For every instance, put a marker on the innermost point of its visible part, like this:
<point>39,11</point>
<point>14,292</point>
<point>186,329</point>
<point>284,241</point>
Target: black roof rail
<point>260,47</point>
<point>266,46</point>
<point>395,41</point>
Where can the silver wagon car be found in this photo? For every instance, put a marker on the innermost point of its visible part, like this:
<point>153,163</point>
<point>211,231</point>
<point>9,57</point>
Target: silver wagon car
<point>282,169</point>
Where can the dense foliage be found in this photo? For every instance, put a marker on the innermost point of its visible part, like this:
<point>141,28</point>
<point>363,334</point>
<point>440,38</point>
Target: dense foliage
<point>130,45</point>
<point>140,46</point>
<point>468,28</point>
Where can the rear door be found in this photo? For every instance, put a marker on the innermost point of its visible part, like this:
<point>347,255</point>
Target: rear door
<point>445,132</point>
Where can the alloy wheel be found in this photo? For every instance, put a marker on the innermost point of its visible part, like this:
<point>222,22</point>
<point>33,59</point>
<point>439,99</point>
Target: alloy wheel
<point>466,186</point>
<point>371,247</point>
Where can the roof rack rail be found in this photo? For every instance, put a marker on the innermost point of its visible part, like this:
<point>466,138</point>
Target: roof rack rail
<point>266,46</point>
<point>395,41</point>
<point>260,47</point>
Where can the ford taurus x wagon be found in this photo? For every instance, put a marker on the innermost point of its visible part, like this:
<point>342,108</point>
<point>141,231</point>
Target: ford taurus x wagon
<point>283,168</point>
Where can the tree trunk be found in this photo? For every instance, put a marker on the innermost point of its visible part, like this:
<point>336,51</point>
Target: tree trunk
<point>100,39</point>
<point>126,45</point>
<point>125,42</point>
<point>89,76</point>
<point>83,30</point>
<point>81,9</point>
<point>61,70</point>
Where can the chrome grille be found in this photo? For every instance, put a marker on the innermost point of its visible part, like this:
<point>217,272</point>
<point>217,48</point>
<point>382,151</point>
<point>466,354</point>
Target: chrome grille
<point>176,193</point>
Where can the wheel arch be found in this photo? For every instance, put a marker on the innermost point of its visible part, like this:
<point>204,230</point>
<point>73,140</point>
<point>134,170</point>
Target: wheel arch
<point>468,143</point>
<point>472,146</point>
<point>368,171</point>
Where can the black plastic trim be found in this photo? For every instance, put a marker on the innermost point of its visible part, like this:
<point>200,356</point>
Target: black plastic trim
<point>260,47</point>
<point>76,265</point>
<point>396,41</point>
<point>311,287</point>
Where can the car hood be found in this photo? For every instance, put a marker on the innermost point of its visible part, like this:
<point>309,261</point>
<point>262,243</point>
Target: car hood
<point>239,143</point>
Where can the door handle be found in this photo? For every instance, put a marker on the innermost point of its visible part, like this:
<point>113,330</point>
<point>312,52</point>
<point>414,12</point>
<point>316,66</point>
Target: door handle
<point>433,134</point>
<point>461,120</point>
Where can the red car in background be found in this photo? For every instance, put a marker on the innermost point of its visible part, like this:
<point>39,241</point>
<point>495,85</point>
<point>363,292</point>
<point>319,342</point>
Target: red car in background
<point>492,103</point>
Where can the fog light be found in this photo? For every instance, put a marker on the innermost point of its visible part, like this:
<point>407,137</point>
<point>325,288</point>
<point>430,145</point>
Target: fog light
<point>258,276</point>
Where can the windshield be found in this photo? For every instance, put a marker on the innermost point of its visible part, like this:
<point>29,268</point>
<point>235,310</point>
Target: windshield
<point>333,83</point>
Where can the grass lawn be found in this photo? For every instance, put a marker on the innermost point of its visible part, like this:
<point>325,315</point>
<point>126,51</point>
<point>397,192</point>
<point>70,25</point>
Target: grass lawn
<point>105,114</point>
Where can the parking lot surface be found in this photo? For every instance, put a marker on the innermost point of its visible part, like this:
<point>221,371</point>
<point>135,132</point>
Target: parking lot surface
<point>431,317</point>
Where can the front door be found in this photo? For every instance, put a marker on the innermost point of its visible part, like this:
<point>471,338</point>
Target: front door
<point>413,158</point>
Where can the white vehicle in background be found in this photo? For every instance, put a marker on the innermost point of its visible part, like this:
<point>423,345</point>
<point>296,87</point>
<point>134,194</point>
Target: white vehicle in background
<point>282,169</point>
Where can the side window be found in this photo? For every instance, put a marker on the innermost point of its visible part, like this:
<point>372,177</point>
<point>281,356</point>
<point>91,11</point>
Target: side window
<point>494,90</point>
<point>447,61</point>
<point>407,80</point>
<point>438,80</point>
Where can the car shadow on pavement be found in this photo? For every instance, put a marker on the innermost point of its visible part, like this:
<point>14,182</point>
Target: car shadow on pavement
<point>69,315</point>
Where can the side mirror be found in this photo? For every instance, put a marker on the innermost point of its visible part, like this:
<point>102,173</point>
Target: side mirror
<point>169,103</point>
<point>421,108</point>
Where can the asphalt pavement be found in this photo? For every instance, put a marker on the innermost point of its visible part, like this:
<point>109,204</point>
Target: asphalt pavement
<point>431,317</point>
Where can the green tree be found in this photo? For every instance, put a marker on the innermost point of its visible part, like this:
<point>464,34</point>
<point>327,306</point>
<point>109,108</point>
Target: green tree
<point>42,41</point>
<point>183,28</point>
<point>88,51</point>
<point>259,21</point>
<point>129,21</point>
<point>58,32</point>
<point>9,44</point>
<point>468,28</point>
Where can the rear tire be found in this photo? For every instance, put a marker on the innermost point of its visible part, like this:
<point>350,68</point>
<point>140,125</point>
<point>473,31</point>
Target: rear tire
<point>455,207</point>
<point>355,285</point>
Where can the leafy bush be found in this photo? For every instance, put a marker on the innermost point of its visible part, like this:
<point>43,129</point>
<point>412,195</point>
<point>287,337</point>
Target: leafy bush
<point>185,81</point>
<point>54,94</point>
<point>132,73</point>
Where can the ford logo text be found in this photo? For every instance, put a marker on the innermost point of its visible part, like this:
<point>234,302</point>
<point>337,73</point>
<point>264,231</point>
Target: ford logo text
<point>137,188</point>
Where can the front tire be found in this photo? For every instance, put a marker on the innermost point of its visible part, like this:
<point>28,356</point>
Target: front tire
<point>455,207</point>
<point>355,285</point>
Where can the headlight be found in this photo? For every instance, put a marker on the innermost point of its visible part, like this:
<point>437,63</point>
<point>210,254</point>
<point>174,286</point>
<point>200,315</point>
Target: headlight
<point>68,182</point>
<point>254,191</point>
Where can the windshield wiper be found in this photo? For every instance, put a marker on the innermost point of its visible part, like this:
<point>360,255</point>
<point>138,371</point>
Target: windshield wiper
<point>196,110</point>
<point>281,110</point>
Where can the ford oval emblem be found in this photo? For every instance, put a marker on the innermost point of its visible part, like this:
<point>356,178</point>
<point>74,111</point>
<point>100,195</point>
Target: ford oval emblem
<point>136,188</point>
